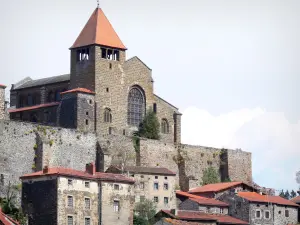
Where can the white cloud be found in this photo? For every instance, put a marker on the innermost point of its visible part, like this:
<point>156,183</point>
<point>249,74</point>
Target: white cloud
<point>272,139</point>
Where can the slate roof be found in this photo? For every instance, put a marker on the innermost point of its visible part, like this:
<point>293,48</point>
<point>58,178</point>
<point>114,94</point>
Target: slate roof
<point>98,30</point>
<point>146,170</point>
<point>61,171</point>
<point>14,110</point>
<point>255,197</point>
<point>44,81</point>
<point>80,90</point>
<point>217,187</point>
<point>202,200</point>
<point>201,216</point>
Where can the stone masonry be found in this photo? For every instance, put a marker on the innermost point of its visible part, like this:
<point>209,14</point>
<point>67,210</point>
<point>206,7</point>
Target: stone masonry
<point>2,102</point>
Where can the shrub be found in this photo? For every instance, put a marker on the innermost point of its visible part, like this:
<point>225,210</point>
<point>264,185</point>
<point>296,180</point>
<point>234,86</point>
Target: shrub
<point>149,127</point>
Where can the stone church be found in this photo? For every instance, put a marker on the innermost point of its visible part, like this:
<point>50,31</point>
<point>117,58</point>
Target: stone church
<point>104,93</point>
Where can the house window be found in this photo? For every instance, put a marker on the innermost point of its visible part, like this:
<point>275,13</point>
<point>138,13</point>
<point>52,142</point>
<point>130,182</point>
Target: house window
<point>154,108</point>
<point>164,126</point>
<point>267,214</point>
<point>87,113</point>
<point>116,206</point>
<point>142,198</point>
<point>166,200</point>
<point>87,184</point>
<point>287,214</point>
<point>221,210</point>
<point>70,201</point>
<point>136,106</point>
<point>70,220</point>
<point>156,177</point>
<point>155,199</point>
<point>107,116</point>
<point>70,182</point>
<point>87,203</point>
<point>142,185</point>
<point>110,66</point>
<point>87,221</point>
<point>116,187</point>
<point>86,122</point>
<point>258,214</point>
<point>107,90</point>
<point>155,186</point>
<point>83,54</point>
<point>29,100</point>
<point>166,186</point>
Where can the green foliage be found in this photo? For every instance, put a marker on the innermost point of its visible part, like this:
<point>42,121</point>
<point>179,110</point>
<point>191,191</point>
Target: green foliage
<point>282,194</point>
<point>138,220</point>
<point>210,176</point>
<point>227,180</point>
<point>35,147</point>
<point>145,209</point>
<point>136,143</point>
<point>149,127</point>
<point>293,194</point>
<point>51,143</point>
<point>287,195</point>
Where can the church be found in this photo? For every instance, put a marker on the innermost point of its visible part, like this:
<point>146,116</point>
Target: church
<point>105,92</point>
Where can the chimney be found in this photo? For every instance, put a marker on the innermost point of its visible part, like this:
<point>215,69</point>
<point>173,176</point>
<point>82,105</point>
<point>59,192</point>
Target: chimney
<point>90,168</point>
<point>45,169</point>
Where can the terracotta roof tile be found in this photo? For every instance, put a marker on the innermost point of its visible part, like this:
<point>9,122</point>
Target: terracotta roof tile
<point>255,197</point>
<point>6,220</point>
<point>180,222</point>
<point>98,30</point>
<point>33,107</point>
<point>296,200</point>
<point>80,90</point>
<point>81,174</point>
<point>201,216</point>
<point>146,170</point>
<point>202,200</point>
<point>216,187</point>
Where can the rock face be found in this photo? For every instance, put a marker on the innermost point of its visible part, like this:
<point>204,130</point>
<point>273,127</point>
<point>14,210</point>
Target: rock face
<point>26,147</point>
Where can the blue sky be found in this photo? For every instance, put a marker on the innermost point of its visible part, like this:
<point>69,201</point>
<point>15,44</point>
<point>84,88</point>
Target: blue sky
<point>232,67</point>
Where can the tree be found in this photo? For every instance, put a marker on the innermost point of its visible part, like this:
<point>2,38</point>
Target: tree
<point>145,209</point>
<point>282,194</point>
<point>149,127</point>
<point>287,195</point>
<point>293,194</point>
<point>298,178</point>
<point>210,176</point>
<point>138,220</point>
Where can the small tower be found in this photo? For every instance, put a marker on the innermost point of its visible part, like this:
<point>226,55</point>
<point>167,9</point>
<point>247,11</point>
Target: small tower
<point>2,102</point>
<point>77,110</point>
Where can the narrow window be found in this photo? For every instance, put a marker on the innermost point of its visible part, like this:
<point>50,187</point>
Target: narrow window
<point>257,214</point>
<point>87,184</point>
<point>87,113</point>
<point>166,200</point>
<point>156,177</point>
<point>166,186</point>
<point>154,108</point>
<point>70,201</point>
<point>109,130</point>
<point>287,214</point>
<point>116,55</point>
<point>155,199</point>
<point>124,132</point>
<point>86,122</point>
<point>91,102</point>
<point>70,220</point>
<point>107,115</point>
<point>116,206</point>
<point>109,54</point>
<point>116,187</point>
<point>87,221</point>
<point>107,90</point>
<point>2,179</point>
<point>267,214</point>
<point>103,51</point>
<point>70,182</point>
<point>87,203</point>
<point>142,185</point>
<point>221,210</point>
<point>155,186</point>
<point>136,106</point>
<point>164,126</point>
<point>110,66</point>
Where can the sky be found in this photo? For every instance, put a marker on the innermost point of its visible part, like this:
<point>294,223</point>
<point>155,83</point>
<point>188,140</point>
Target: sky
<point>232,67</point>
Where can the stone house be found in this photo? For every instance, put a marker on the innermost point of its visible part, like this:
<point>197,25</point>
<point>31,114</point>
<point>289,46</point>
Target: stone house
<point>190,202</point>
<point>169,221</point>
<point>66,196</point>
<point>200,217</point>
<point>153,183</point>
<point>261,209</point>
<point>6,220</point>
<point>116,91</point>
<point>297,201</point>
<point>218,189</point>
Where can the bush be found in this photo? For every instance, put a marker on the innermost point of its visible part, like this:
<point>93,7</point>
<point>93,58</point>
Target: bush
<point>210,176</point>
<point>149,127</point>
<point>145,209</point>
<point>138,220</point>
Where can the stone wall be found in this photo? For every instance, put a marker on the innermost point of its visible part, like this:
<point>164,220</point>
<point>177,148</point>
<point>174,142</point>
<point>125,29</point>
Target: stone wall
<point>2,102</point>
<point>281,218</point>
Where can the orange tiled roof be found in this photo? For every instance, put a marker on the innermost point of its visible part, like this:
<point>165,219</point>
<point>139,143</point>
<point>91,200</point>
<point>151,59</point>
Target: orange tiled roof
<point>202,200</point>
<point>296,200</point>
<point>98,30</point>
<point>255,197</point>
<point>33,107</point>
<point>80,174</point>
<point>216,187</point>
<point>180,222</point>
<point>201,216</point>
<point>80,90</point>
<point>6,220</point>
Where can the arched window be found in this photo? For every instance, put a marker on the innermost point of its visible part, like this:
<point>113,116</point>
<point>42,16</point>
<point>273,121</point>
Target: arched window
<point>164,126</point>
<point>136,106</point>
<point>107,116</point>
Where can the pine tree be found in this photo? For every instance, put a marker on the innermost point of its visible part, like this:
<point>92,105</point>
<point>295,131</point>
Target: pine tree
<point>287,195</point>
<point>293,194</point>
<point>282,194</point>
<point>149,127</point>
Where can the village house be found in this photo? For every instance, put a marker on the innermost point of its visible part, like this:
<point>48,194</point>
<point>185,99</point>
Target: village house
<point>261,209</point>
<point>218,189</point>
<point>153,183</point>
<point>66,196</point>
<point>297,201</point>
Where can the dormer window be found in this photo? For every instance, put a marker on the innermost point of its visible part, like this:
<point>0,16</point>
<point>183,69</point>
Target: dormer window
<point>83,54</point>
<point>110,54</point>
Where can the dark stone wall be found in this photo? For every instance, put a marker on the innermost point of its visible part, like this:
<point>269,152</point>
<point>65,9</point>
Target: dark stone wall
<point>68,111</point>
<point>39,202</point>
<point>85,112</point>
<point>189,205</point>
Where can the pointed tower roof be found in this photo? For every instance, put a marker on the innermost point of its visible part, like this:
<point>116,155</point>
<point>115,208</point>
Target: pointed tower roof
<point>98,30</point>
